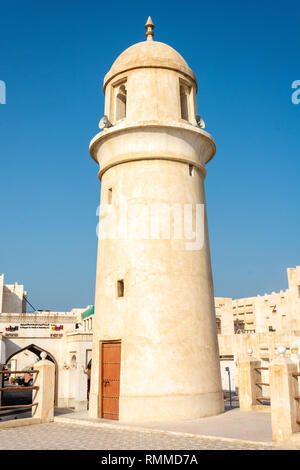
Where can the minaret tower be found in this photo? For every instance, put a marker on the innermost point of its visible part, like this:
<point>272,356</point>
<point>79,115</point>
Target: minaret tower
<point>155,350</point>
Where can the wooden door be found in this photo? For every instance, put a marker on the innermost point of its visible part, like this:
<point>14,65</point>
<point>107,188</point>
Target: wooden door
<point>111,368</point>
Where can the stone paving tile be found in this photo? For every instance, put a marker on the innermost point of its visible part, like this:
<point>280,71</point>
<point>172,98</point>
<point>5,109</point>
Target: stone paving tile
<point>65,436</point>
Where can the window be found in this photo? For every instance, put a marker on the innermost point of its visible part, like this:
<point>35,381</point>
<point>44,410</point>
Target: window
<point>283,321</point>
<point>120,288</point>
<point>184,101</point>
<point>120,102</point>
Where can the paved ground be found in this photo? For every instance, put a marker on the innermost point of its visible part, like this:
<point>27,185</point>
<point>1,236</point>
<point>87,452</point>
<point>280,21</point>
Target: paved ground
<point>70,437</point>
<point>233,424</point>
<point>75,430</point>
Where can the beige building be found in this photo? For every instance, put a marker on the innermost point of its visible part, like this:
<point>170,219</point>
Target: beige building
<point>12,297</point>
<point>278,311</point>
<point>63,336</point>
<point>155,350</point>
<point>260,323</point>
<point>23,337</point>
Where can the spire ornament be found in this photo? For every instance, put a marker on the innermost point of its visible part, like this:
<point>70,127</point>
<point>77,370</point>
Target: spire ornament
<point>149,26</point>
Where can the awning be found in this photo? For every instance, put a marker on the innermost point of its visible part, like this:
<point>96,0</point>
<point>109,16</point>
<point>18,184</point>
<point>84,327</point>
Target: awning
<point>87,313</point>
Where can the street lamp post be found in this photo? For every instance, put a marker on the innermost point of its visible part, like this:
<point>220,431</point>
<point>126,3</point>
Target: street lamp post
<point>229,382</point>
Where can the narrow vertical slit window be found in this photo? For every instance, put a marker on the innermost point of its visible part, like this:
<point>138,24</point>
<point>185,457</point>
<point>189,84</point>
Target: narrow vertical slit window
<point>184,102</point>
<point>191,170</point>
<point>109,196</point>
<point>219,330</point>
<point>120,288</point>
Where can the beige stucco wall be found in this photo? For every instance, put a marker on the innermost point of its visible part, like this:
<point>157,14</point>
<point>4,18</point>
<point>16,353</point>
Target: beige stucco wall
<point>264,345</point>
<point>12,297</point>
<point>233,348</point>
<point>166,318</point>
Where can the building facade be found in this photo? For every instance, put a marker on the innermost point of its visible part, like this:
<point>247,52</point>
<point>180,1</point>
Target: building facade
<point>23,336</point>
<point>278,311</point>
<point>67,338</point>
<point>12,297</point>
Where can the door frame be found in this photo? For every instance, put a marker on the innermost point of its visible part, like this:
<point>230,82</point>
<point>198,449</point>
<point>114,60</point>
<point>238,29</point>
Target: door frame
<point>101,343</point>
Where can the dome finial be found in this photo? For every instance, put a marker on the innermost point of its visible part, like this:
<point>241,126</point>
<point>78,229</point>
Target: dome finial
<point>149,26</point>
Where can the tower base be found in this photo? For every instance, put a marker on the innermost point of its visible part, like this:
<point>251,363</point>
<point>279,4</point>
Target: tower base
<point>165,408</point>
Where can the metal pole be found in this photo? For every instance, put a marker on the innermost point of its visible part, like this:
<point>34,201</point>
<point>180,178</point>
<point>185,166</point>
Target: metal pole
<point>229,382</point>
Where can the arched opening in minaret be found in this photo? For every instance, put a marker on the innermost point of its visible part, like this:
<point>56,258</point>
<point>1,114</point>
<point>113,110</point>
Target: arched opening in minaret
<point>184,101</point>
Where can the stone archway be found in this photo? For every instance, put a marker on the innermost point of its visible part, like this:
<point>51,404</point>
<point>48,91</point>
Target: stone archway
<point>37,350</point>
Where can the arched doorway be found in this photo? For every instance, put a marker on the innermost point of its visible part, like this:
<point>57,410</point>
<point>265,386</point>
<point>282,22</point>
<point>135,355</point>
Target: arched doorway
<point>37,350</point>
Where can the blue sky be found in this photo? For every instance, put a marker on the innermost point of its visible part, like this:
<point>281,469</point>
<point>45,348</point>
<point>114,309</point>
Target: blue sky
<point>54,56</point>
